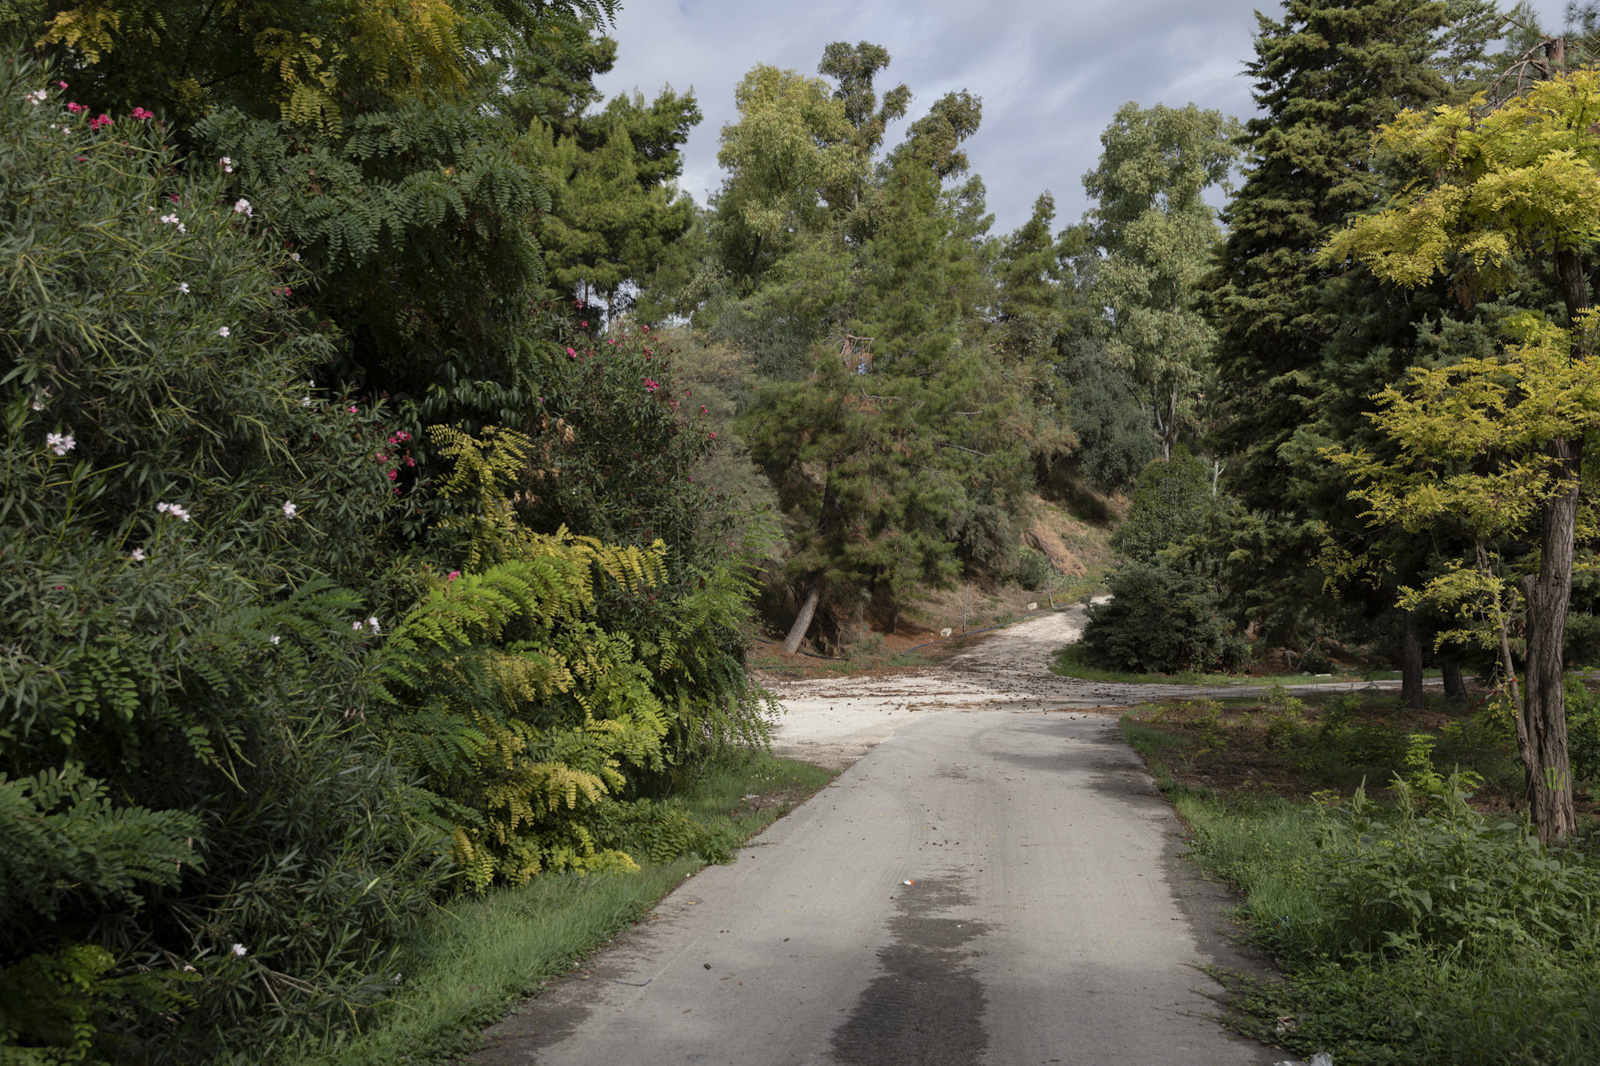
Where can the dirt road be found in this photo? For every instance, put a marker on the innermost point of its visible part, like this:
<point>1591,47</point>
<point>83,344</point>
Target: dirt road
<point>834,721</point>
<point>994,881</point>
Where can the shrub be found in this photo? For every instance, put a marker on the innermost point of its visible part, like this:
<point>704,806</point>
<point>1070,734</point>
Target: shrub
<point>530,720</point>
<point>1161,618</point>
<point>1170,502</point>
<point>182,684</point>
<point>1450,879</point>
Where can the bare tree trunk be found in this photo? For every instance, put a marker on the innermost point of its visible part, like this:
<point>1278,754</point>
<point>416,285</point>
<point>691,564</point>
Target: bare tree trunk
<point>1545,758</point>
<point>1411,665</point>
<point>1455,686</point>
<point>802,621</point>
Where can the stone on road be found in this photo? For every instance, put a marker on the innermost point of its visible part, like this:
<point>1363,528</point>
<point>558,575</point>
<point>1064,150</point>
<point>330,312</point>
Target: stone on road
<point>1046,923</point>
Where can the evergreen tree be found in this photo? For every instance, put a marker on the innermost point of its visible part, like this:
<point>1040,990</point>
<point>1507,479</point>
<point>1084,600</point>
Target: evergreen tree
<point>1303,345</point>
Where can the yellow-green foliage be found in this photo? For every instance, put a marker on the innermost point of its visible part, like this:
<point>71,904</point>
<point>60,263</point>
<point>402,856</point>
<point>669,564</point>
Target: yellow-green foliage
<point>523,714</point>
<point>402,47</point>
<point>1520,179</point>
<point>1443,425</point>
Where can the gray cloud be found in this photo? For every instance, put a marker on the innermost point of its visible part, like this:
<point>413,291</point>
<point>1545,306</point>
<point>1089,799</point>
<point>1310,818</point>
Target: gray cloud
<point>1050,74</point>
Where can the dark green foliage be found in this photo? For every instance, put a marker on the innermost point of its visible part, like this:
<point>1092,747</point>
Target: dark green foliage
<point>1115,437</point>
<point>1171,502</point>
<point>1326,76</point>
<point>619,443</point>
<point>1162,618</point>
<point>173,650</point>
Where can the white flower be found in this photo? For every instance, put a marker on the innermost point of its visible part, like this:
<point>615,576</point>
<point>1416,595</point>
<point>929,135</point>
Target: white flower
<point>356,626</point>
<point>305,401</point>
<point>372,623</point>
<point>138,555</point>
<point>36,98</point>
<point>223,332</point>
<point>295,256</point>
<point>288,509</point>
<point>173,509</point>
<point>276,638</point>
<point>170,220</point>
<point>226,164</point>
<point>183,287</point>
<point>240,950</point>
<point>60,443</point>
<point>242,207</point>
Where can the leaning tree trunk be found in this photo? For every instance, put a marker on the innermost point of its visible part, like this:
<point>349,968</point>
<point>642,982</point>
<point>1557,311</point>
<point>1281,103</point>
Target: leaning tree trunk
<point>802,621</point>
<point>1411,665</point>
<point>1549,770</point>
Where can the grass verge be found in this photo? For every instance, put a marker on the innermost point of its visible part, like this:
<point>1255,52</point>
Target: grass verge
<point>467,964</point>
<point>1425,930</point>
<point>1070,662</point>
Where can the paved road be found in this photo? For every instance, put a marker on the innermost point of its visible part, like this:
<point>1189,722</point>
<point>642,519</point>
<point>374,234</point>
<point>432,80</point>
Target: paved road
<point>1048,922</point>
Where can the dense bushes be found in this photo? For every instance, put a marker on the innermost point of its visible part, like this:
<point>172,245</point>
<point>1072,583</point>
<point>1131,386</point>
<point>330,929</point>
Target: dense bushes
<point>244,740</point>
<point>1161,618</point>
<point>220,857</point>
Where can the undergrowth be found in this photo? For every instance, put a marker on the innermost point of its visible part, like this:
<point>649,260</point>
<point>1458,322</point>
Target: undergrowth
<point>470,961</point>
<point>1417,931</point>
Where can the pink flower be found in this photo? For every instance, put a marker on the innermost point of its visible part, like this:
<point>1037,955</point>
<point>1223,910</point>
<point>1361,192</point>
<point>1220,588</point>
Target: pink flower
<point>611,340</point>
<point>75,108</point>
<point>97,123</point>
<point>585,325</point>
<point>393,474</point>
<point>703,409</point>
<point>62,84</point>
<point>453,575</point>
<point>352,408</point>
<point>571,354</point>
<point>688,392</point>
<point>651,384</point>
<point>141,114</point>
<point>713,434</point>
<point>647,329</point>
<point>380,457</point>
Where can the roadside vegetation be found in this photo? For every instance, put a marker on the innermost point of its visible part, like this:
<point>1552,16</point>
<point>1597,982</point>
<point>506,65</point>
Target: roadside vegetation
<point>469,961</point>
<point>401,472</point>
<point>1385,859</point>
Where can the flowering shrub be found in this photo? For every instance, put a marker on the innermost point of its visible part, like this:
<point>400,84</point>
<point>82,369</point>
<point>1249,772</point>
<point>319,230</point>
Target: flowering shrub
<point>182,764</point>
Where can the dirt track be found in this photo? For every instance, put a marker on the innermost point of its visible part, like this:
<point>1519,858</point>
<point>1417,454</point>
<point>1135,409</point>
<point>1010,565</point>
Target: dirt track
<point>834,721</point>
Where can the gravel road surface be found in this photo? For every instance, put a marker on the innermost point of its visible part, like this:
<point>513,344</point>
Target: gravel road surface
<point>995,881</point>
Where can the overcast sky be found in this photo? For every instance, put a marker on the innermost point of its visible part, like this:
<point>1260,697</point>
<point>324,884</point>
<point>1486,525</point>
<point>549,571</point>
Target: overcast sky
<point>1051,74</point>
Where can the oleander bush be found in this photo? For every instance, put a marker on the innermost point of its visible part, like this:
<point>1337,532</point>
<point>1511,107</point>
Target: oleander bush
<point>204,847</point>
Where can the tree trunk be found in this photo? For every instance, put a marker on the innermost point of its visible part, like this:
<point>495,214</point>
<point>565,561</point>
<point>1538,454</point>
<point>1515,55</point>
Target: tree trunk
<point>1549,770</point>
<point>1411,665</point>
<point>1544,713</point>
<point>1455,686</point>
<point>802,621</point>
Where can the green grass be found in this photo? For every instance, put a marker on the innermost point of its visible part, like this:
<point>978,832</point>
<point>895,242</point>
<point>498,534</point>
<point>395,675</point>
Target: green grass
<point>1528,998</point>
<point>468,963</point>
<point>1070,662</point>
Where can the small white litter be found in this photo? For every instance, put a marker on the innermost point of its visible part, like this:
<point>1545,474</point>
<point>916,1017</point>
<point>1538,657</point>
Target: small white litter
<point>1321,1058</point>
